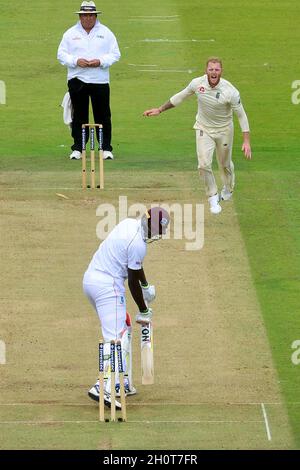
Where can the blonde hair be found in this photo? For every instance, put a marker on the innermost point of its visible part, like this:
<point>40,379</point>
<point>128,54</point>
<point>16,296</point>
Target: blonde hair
<point>214,60</point>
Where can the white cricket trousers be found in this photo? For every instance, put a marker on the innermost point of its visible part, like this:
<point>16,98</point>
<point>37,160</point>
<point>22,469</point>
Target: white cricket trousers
<point>206,144</point>
<point>109,302</point>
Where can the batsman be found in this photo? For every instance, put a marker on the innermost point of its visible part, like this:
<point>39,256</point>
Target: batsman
<point>120,257</point>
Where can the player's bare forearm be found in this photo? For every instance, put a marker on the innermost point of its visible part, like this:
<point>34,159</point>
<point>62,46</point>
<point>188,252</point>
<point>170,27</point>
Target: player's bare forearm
<point>157,111</point>
<point>134,279</point>
<point>142,277</point>
<point>246,147</point>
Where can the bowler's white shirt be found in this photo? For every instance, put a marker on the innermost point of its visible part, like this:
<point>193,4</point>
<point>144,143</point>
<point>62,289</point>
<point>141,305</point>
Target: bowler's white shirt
<point>123,248</point>
<point>215,105</point>
<point>100,44</point>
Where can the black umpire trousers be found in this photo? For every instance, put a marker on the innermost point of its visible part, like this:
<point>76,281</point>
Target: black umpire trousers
<point>80,93</point>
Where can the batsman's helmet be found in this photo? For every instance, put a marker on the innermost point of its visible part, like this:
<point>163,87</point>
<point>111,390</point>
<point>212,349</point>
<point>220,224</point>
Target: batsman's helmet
<point>155,222</point>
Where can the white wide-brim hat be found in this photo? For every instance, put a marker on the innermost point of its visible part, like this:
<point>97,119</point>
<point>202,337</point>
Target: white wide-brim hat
<point>88,7</point>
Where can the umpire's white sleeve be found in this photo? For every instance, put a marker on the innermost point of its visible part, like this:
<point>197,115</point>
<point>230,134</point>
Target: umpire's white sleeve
<point>242,117</point>
<point>63,55</point>
<point>113,55</point>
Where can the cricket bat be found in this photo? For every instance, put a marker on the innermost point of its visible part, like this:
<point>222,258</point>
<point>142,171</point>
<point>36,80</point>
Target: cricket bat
<point>147,362</point>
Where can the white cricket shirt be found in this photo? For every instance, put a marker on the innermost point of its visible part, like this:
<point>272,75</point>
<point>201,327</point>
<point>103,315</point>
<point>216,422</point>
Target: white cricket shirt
<point>100,44</point>
<point>123,248</point>
<point>215,105</point>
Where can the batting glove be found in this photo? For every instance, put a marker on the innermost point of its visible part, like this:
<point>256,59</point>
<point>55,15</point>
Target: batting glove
<point>144,317</point>
<point>148,293</point>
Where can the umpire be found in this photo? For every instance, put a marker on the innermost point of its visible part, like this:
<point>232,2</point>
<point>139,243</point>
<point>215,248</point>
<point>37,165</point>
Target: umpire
<point>88,49</point>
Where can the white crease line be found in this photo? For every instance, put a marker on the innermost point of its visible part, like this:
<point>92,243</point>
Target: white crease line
<point>166,70</point>
<point>95,192</point>
<point>142,65</point>
<point>157,20</point>
<point>29,40</point>
<point>39,423</point>
<point>176,40</point>
<point>259,65</point>
<point>157,404</point>
<point>156,16</point>
<point>266,422</point>
<point>205,421</point>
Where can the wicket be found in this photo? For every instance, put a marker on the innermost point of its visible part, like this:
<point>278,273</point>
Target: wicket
<point>113,347</point>
<point>92,185</point>
<point>101,381</point>
<point>121,378</point>
<point>113,380</point>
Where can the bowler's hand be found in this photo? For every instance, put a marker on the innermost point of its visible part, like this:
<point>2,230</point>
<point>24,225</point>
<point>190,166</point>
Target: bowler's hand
<point>152,112</point>
<point>246,148</point>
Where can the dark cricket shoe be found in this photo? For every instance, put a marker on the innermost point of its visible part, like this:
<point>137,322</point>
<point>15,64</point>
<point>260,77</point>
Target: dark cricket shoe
<point>128,390</point>
<point>93,393</point>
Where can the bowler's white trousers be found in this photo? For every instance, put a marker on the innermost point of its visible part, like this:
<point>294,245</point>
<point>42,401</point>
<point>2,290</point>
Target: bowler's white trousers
<point>206,144</point>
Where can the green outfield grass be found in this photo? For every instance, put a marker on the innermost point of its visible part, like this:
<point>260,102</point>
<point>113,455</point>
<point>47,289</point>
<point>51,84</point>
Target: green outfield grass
<point>47,241</point>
